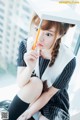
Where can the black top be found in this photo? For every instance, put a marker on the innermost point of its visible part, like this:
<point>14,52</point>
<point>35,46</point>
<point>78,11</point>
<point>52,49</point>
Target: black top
<point>60,99</point>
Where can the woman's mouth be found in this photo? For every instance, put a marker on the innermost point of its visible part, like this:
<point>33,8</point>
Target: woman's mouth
<point>39,45</point>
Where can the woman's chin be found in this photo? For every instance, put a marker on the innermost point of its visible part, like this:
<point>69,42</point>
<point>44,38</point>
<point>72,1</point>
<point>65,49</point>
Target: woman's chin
<point>40,47</point>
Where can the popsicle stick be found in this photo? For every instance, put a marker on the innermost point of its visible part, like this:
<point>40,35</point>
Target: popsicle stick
<point>36,40</point>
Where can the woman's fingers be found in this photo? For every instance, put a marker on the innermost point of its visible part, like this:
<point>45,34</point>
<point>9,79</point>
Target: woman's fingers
<point>32,58</point>
<point>31,54</point>
<point>36,56</point>
<point>35,53</point>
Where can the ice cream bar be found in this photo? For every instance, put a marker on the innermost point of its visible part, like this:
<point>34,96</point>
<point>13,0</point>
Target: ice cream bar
<point>36,40</point>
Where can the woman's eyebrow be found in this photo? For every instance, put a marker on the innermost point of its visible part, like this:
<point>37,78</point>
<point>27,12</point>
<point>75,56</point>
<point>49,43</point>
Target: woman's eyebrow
<point>51,31</point>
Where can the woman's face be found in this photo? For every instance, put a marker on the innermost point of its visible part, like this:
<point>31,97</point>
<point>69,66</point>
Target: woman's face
<point>46,38</point>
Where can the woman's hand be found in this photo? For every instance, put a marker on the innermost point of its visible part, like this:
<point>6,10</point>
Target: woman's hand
<point>25,116</point>
<point>30,58</point>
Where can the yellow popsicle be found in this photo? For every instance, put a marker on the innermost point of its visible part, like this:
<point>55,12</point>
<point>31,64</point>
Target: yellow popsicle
<point>36,40</point>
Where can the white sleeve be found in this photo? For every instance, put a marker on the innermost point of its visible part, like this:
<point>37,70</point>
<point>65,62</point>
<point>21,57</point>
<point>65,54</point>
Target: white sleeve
<point>29,43</point>
<point>49,83</point>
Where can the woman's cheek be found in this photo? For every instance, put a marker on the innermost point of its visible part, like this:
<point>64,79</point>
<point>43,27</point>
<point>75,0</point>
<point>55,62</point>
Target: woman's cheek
<point>47,45</point>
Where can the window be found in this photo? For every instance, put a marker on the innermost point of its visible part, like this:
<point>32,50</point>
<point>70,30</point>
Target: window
<point>1,17</point>
<point>7,46</point>
<point>15,26</point>
<point>27,17</point>
<point>1,36</point>
<point>23,31</point>
<point>1,10</point>
<point>11,6</point>
<point>8,33</point>
<point>21,37</point>
<point>9,27</point>
<point>7,39</point>
<point>17,12</point>
<point>26,8</point>
<point>1,24</point>
<point>1,3</point>
<point>1,30</point>
<point>18,4</point>
<point>7,52</point>
<point>0,42</point>
<point>10,13</point>
<point>9,20</point>
<point>25,1</point>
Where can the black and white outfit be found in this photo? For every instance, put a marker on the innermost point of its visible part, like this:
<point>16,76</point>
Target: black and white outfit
<point>57,76</point>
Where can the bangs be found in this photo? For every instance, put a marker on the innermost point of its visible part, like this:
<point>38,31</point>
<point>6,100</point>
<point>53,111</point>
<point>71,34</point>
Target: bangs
<point>46,25</point>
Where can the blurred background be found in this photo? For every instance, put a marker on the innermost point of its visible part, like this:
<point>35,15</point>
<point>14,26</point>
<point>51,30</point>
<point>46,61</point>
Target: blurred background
<point>15,16</point>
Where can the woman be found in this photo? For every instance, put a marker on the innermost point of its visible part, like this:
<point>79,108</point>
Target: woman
<point>44,76</point>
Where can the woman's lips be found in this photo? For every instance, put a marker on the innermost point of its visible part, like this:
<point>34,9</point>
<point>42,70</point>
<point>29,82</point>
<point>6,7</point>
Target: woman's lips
<point>39,45</point>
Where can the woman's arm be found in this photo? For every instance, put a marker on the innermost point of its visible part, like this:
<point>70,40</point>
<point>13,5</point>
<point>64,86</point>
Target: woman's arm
<point>23,72</point>
<point>39,103</point>
<point>26,62</point>
<point>42,101</point>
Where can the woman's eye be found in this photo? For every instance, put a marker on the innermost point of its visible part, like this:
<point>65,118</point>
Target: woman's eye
<point>48,34</point>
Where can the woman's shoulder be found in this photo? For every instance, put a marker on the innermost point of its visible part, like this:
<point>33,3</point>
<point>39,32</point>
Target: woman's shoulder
<point>22,50</point>
<point>26,44</point>
<point>23,43</point>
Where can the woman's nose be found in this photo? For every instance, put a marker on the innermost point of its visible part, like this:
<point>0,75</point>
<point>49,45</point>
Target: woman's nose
<point>41,36</point>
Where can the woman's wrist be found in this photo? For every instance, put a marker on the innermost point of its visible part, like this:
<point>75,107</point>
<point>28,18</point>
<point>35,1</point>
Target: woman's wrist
<point>28,113</point>
<point>30,69</point>
<point>36,115</point>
